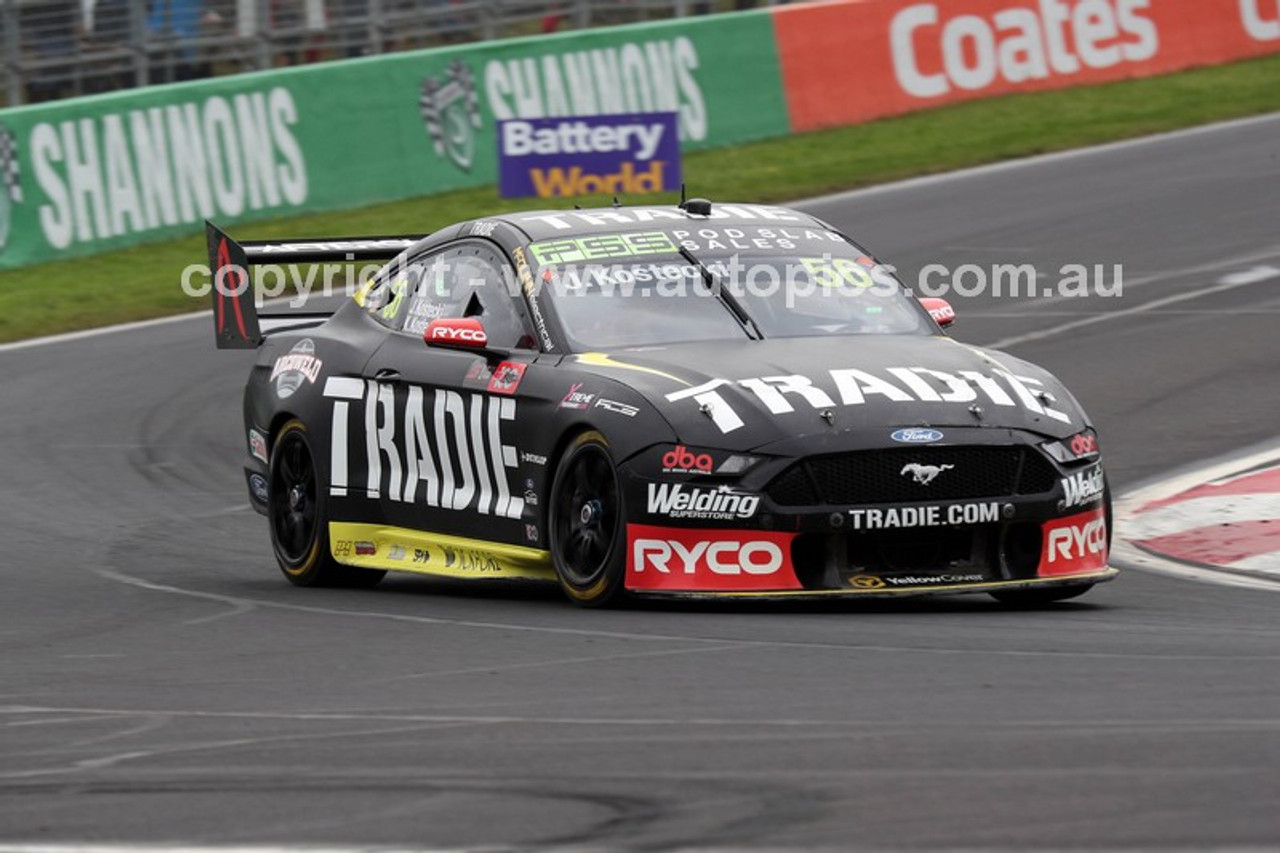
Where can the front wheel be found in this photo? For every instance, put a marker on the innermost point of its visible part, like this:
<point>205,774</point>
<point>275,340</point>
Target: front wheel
<point>298,517</point>
<point>587,523</point>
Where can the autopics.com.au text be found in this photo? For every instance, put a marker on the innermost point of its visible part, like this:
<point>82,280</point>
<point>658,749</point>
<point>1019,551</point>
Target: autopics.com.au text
<point>796,278</point>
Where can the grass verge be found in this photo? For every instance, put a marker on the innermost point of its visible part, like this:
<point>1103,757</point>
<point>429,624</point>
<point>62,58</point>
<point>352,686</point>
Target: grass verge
<point>142,282</point>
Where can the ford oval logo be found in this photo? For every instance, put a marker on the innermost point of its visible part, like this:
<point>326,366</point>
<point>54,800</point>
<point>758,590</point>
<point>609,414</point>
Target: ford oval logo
<point>915,435</point>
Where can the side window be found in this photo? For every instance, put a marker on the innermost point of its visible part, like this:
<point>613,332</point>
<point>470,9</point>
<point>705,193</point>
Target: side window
<point>462,281</point>
<point>383,297</point>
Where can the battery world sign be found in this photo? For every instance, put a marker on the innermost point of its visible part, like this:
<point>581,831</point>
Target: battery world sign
<point>585,155</point>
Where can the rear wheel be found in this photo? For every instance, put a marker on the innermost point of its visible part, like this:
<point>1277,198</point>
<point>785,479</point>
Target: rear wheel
<point>586,523</point>
<point>298,518</point>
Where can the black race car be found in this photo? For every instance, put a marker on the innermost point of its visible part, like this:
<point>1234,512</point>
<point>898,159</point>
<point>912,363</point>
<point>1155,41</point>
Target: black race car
<point>696,400</point>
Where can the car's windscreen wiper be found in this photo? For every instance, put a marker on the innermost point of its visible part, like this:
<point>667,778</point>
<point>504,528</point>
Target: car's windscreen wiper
<point>730,301</point>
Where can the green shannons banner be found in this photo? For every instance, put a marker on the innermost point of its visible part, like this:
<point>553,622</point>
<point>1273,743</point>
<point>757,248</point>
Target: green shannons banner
<point>91,174</point>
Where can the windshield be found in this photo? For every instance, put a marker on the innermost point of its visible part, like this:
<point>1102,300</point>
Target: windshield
<point>696,290</point>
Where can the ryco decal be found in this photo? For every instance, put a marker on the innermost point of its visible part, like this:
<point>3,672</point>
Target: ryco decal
<point>662,558</point>
<point>1074,545</point>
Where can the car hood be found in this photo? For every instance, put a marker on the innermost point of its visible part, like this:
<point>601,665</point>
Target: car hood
<point>749,394</point>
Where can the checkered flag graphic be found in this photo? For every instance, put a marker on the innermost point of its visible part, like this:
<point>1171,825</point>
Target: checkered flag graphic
<point>431,112</point>
<point>462,73</point>
<point>458,84</point>
<point>10,175</point>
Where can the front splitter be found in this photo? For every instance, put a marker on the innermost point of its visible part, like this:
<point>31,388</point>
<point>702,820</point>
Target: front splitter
<point>882,592</point>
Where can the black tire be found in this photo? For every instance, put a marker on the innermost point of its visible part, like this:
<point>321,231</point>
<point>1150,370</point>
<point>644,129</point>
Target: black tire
<point>587,523</point>
<point>1033,598</point>
<point>298,518</point>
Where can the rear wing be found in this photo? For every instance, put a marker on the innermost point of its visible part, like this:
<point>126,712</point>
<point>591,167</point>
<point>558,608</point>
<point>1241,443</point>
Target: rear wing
<point>236,321</point>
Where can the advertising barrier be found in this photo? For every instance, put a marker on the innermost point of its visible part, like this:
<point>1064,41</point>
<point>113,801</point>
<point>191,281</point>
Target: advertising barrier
<point>91,174</point>
<point>850,62</point>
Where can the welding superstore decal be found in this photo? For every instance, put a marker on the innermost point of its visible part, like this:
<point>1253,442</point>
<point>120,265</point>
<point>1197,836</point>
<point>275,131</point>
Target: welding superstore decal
<point>583,155</point>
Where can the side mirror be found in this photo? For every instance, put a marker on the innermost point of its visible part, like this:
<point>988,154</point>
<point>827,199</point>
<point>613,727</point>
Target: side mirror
<point>456,332</point>
<point>940,310</point>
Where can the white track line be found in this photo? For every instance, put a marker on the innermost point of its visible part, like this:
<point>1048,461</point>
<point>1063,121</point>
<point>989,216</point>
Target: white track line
<point>879,189</point>
<point>71,337</point>
<point>191,848</point>
<point>1230,282</point>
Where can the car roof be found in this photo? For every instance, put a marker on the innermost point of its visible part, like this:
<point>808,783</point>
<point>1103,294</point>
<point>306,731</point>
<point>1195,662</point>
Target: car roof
<point>548,224</point>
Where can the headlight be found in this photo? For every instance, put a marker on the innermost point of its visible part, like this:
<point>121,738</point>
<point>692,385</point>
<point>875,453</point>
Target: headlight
<point>735,465</point>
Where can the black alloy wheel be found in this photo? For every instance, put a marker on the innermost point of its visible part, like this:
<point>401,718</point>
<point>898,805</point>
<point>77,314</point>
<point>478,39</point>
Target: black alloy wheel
<point>299,522</point>
<point>586,523</point>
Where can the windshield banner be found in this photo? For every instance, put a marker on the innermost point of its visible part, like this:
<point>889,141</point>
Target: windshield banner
<point>584,155</point>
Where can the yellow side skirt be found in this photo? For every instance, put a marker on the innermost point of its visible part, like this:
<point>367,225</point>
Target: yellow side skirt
<point>397,549</point>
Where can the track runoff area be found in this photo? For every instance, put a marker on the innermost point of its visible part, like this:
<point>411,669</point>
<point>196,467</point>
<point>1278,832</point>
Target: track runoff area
<point>1216,522</point>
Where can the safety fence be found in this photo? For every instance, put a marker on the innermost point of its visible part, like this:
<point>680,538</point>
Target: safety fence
<point>62,48</point>
<point>89,174</point>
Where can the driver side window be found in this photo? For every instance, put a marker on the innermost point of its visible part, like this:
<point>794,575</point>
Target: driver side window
<point>463,281</point>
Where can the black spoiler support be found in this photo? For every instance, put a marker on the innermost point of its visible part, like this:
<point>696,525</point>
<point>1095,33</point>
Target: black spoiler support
<point>235,311</point>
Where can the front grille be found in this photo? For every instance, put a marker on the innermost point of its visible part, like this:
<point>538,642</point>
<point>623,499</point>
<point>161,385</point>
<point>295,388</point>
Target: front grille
<point>882,476</point>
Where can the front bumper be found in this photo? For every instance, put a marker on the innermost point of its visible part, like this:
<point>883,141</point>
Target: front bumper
<point>696,534</point>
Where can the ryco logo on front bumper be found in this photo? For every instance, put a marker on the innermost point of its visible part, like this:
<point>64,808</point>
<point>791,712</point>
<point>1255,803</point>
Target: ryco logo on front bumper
<point>1075,544</point>
<point>662,558</point>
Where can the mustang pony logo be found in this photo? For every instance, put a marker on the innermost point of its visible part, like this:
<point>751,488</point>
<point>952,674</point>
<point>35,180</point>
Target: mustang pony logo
<point>924,474</point>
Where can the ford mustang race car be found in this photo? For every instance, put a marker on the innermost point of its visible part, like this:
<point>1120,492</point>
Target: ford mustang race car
<point>723,400</point>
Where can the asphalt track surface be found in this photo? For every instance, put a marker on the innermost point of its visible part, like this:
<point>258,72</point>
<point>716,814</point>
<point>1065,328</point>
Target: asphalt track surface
<point>160,682</point>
